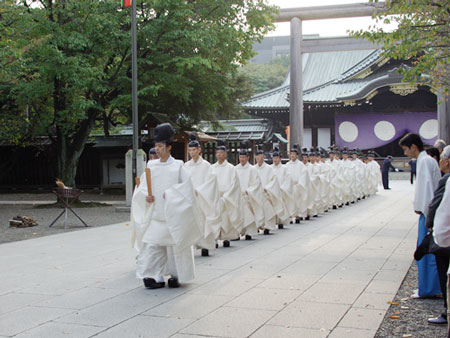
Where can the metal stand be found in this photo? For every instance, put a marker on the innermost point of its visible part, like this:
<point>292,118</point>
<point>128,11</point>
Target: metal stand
<point>63,196</point>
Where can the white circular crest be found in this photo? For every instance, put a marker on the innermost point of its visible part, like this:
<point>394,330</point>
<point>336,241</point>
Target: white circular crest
<point>429,129</point>
<point>348,131</point>
<point>384,130</point>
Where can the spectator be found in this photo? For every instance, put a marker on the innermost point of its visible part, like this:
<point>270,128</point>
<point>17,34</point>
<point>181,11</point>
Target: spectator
<point>428,175</point>
<point>440,145</point>
<point>434,153</point>
<point>442,259</point>
<point>387,164</point>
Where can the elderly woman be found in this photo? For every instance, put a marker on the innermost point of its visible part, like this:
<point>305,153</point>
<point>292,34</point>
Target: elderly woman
<point>438,219</point>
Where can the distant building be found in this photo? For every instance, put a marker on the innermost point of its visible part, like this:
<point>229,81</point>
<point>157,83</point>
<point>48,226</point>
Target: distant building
<point>353,99</point>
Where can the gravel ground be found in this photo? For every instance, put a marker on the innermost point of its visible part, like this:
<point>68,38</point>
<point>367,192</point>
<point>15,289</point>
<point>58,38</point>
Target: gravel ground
<point>95,216</point>
<point>90,195</point>
<point>412,313</point>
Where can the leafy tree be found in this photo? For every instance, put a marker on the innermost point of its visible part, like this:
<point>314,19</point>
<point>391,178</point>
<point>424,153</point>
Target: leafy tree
<point>66,65</point>
<point>422,36</point>
<point>267,76</point>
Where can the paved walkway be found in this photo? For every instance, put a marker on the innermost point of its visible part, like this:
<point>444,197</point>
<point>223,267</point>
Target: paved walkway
<point>329,277</point>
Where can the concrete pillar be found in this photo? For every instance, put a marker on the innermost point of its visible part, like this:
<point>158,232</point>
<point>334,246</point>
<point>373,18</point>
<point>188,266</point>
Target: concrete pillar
<point>443,116</point>
<point>296,85</point>
<point>141,163</point>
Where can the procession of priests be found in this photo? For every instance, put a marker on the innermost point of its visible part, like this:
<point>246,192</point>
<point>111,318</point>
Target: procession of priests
<point>180,207</point>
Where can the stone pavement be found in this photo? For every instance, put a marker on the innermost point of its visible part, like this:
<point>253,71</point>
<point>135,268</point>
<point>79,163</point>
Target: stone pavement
<point>328,277</point>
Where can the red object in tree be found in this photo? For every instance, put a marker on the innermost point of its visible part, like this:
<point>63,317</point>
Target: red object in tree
<point>126,3</point>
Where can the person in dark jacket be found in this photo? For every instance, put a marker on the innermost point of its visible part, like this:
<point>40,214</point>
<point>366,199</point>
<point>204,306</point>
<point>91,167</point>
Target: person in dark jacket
<point>442,260</point>
<point>412,167</point>
<point>387,164</point>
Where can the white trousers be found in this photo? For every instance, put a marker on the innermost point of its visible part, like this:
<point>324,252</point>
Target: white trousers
<point>156,262</point>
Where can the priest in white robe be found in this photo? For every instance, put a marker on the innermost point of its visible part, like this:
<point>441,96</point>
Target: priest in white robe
<point>164,220</point>
<point>286,186</point>
<point>252,197</point>
<point>230,197</point>
<point>300,179</point>
<point>274,207</point>
<point>428,175</point>
<point>199,171</point>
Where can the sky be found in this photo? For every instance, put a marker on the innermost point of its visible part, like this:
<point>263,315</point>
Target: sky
<point>325,28</point>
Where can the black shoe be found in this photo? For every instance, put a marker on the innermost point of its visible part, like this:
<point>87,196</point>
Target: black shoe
<point>326,210</point>
<point>347,203</point>
<point>248,237</point>
<point>266,232</point>
<point>226,244</point>
<point>316,216</point>
<point>297,220</point>
<point>205,252</point>
<point>173,282</point>
<point>441,320</point>
<point>217,245</point>
<point>150,283</point>
<point>280,226</point>
<point>364,197</point>
<point>307,218</point>
<point>334,207</point>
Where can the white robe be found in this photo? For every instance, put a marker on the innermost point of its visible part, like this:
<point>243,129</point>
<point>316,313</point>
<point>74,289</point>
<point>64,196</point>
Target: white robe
<point>274,205</point>
<point>200,172</point>
<point>230,200</point>
<point>301,180</point>
<point>164,231</point>
<point>428,175</point>
<point>287,188</point>
<point>252,199</point>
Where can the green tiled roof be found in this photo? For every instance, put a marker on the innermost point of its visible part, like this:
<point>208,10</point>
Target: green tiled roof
<point>326,77</point>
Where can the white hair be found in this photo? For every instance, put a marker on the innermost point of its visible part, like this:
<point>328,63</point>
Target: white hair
<point>446,152</point>
<point>440,144</point>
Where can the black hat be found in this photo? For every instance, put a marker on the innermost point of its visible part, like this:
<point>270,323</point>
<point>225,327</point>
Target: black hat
<point>221,146</point>
<point>152,151</point>
<point>244,149</point>
<point>371,153</point>
<point>259,150</point>
<point>276,152</point>
<point>193,141</point>
<point>295,149</point>
<point>344,151</point>
<point>164,133</point>
<point>389,156</point>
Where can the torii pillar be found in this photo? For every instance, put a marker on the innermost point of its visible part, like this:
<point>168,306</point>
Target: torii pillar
<point>295,17</point>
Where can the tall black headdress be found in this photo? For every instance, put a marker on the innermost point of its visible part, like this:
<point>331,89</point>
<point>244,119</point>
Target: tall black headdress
<point>259,150</point>
<point>244,149</point>
<point>221,146</point>
<point>164,133</point>
<point>276,152</point>
<point>295,149</point>
<point>193,142</point>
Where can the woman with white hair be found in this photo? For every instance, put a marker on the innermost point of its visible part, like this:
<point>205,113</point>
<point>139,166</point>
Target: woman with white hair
<point>437,222</point>
<point>440,144</point>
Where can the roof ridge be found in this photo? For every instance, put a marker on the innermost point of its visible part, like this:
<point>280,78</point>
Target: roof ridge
<point>369,60</point>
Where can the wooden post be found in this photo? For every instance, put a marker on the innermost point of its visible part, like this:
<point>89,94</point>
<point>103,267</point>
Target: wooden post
<point>443,116</point>
<point>296,85</point>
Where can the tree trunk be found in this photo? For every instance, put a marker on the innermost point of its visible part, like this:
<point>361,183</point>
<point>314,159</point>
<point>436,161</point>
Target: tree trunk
<point>70,149</point>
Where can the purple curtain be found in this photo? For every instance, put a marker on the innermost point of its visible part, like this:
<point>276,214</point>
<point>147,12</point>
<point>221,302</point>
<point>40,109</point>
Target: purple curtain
<point>373,130</point>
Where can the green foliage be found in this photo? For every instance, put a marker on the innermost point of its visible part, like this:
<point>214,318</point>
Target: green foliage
<point>267,76</point>
<point>422,36</point>
<point>65,66</point>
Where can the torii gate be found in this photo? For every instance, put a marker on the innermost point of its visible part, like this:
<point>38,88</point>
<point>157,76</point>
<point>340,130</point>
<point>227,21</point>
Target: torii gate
<point>295,16</point>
